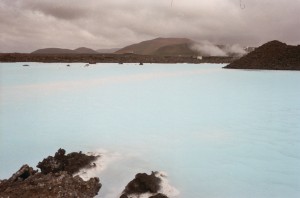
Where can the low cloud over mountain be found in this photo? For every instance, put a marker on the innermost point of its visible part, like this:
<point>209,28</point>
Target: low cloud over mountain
<point>33,24</point>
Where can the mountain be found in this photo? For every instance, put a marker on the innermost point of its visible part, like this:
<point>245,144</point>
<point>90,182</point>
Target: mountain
<point>175,50</point>
<point>107,51</point>
<point>273,55</point>
<point>150,46</point>
<point>84,50</point>
<point>53,51</point>
<point>81,50</point>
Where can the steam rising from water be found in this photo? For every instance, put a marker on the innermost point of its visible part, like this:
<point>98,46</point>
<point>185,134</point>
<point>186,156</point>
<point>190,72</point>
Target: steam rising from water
<point>206,48</point>
<point>107,158</point>
<point>235,49</point>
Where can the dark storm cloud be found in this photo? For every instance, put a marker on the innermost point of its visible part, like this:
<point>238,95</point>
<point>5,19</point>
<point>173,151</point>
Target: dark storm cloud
<point>26,25</point>
<point>59,10</point>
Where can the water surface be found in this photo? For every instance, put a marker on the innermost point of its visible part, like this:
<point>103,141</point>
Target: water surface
<point>217,133</point>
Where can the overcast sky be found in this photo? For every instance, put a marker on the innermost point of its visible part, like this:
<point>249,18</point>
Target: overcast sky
<point>26,25</point>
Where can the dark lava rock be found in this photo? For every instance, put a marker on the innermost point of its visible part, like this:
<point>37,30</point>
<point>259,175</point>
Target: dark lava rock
<point>107,58</point>
<point>143,183</point>
<point>124,196</point>
<point>70,163</point>
<point>55,180</point>
<point>273,55</point>
<point>22,174</point>
<point>159,195</point>
<point>51,185</point>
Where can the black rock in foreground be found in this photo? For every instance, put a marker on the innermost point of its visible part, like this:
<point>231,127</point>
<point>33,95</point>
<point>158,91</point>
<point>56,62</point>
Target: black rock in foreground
<point>273,55</point>
<point>159,195</point>
<point>143,183</point>
<point>70,163</point>
<point>30,183</point>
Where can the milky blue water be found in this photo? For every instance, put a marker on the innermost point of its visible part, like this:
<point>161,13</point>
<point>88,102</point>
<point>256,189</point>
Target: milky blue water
<point>217,133</point>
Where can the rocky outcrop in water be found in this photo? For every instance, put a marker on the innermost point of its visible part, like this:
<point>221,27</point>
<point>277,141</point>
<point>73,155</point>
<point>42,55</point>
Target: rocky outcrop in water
<point>144,183</point>
<point>70,163</point>
<point>273,55</point>
<point>55,179</point>
<point>159,195</point>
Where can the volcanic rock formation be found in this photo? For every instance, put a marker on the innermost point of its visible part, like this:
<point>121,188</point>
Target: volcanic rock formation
<point>55,179</point>
<point>144,183</point>
<point>273,55</point>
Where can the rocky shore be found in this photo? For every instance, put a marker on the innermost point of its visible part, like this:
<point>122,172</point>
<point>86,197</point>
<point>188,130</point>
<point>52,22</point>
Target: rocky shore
<point>56,180</point>
<point>71,163</point>
<point>109,58</point>
<point>273,55</point>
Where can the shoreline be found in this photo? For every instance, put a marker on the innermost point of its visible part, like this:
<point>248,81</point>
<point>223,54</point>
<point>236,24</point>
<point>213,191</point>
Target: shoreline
<point>109,58</point>
<point>66,175</point>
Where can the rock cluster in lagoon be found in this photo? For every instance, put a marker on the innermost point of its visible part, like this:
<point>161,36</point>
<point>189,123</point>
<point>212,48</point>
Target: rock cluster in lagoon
<point>54,180</point>
<point>142,184</point>
<point>273,55</point>
<point>58,178</point>
<point>70,163</point>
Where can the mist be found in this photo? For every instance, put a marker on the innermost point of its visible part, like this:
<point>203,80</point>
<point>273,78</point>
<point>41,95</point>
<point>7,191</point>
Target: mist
<point>207,48</point>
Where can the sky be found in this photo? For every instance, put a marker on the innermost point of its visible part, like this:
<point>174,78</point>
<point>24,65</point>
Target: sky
<point>27,25</point>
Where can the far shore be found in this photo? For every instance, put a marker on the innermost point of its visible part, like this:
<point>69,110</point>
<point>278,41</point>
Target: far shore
<point>110,58</point>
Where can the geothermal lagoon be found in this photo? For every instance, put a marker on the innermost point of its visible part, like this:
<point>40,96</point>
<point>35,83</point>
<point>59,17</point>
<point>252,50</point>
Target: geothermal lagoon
<point>215,133</point>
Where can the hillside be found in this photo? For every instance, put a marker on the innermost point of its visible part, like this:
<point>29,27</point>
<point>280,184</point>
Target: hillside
<point>175,50</point>
<point>150,46</point>
<point>85,50</point>
<point>81,50</point>
<point>107,51</point>
<point>53,51</point>
<point>273,55</point>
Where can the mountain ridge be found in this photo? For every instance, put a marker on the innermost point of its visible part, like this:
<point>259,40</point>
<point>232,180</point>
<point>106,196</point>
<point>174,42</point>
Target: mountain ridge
<point>80,50</point>
<point>149,47</point>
